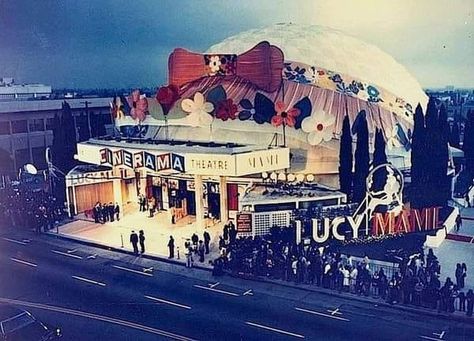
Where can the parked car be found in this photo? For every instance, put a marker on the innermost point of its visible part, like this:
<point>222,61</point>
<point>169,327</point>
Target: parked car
<point>20,325</point>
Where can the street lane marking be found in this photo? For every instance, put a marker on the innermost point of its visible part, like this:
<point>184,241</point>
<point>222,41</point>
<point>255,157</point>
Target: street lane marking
<point>71,251</point>
<point>322,314</point>
<point>214,285</point>
<point>14,241</point>
<point>216,290</point>
<point>167,302</point>
<point>23,262</point>
<point>275,330</point>
<point>334,312</point>
<point>131,270</point>
<point>248,292</point>
<point>429,338</point>
<point>94,256</point>
<point>148,270</point>
<point>98,317</point>
<point>89,281</point>
<point>66,254</point>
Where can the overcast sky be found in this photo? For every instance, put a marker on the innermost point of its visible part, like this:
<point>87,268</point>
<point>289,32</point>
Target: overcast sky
<point>118,43</point>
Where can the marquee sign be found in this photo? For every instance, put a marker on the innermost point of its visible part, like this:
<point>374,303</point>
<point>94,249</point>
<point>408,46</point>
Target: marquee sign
<point>142,159</point>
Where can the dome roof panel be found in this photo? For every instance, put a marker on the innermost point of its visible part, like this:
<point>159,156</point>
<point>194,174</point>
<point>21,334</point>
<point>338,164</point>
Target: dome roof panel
<point>332,50</point>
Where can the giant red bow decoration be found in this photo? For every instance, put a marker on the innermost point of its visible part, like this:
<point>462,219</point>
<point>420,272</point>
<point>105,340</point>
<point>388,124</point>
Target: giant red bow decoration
<point>262,65</point>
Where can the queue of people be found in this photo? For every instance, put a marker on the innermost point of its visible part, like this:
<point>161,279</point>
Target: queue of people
<point>103,213</point>
<point>24,208</point>
<point>416,280</point>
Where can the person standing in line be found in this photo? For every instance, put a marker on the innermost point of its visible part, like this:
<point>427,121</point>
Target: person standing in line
<point>134,242</point>
<point>189,255</point>
<point>141,237</point>
<point>95,213</point>
<point>117,211</point>
<point>171,247</point>
<point>226,232</point>
<point>464,274</point>
<point>470,302</point>
<point>207,240</point>
<point>110,211</point>
<point>232,232</point>
<point>201,251</point>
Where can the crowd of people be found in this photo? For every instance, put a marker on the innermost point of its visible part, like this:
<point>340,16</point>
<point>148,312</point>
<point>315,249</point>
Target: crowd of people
<point>415,280</point>
<point>24,208</point>
<point>103,213</point>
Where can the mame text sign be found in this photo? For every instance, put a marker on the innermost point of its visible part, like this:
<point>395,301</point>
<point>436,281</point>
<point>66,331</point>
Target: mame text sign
<point>262,161</point>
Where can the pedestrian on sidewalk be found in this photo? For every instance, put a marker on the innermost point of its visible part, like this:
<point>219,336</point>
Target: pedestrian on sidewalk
<point>226,232</point>
<point>463,275</point>
<point>459,275</point>
<point>462,301</point>
<point>194,239</point>
<point>201,251</point>
<point>134,241</point>
<point>142,240</point>
<point>171,247</point>
<point>117,211</point>
<point>458,222</point>
<point>207,240</point>
<point>110,211</point>
<point>470,302</point>
<point>189,255</point>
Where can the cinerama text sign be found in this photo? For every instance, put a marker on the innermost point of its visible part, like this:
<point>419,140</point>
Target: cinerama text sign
<point>214,164</point>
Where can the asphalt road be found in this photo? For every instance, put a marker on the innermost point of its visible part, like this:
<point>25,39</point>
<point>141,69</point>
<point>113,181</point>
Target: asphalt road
<point>94,294</point>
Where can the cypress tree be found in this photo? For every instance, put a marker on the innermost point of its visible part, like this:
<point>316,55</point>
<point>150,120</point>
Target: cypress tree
<point>468,144</point>
<point>361,167</point>
<point>432,160</point>
<point>454,135</point>
<point>379,158</point>
<point>444,194</point>
<point>418,159</point>
<point>345,158</point>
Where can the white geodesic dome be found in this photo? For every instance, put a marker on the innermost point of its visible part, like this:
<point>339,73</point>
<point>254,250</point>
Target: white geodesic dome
<point>332,50</point>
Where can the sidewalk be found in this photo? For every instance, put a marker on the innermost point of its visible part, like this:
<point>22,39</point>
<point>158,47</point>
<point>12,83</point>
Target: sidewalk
<point>157,230</point>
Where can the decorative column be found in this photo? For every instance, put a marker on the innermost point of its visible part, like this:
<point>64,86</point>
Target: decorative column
<point>198,192</point>
<point>224,208</point>
<point>117,186</point>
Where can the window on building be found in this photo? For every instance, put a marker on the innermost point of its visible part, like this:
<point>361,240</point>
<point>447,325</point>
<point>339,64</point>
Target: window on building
<point>36,124</point>
<point>5,128</point>
<point>20,126</point>
<point>39,159</point>
<point>50,123</point>
<point>22,157</point>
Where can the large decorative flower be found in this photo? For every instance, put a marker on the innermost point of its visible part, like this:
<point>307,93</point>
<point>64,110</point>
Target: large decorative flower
<point>318,126</point>
<point>117,108</point>
<point>287,118</point>
<point>226,109</point>
<point>167,97</point>
<point>215,64</point>
<point>392,140</point>
<point>198,110</point>
<point>139,106</point>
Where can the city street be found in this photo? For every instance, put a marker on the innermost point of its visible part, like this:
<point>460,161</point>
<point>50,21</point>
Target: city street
<point>92,294</point>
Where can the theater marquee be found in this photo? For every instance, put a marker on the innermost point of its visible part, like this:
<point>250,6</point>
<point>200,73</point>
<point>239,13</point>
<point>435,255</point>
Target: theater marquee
<point>214,163</point>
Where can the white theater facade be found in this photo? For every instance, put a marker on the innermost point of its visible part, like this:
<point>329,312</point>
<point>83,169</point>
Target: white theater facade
<point>196,179</point>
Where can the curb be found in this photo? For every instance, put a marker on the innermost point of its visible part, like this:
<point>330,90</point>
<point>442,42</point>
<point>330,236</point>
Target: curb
<point>116,249</point>
<point>459,318</point>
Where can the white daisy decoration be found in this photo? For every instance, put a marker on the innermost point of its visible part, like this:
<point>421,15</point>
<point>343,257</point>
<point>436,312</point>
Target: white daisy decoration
<point>319,127</point>
<point>198,110</point>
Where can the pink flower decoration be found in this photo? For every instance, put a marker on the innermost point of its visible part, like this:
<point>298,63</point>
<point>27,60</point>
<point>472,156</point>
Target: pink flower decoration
<point>287,118</point>
<point>139,105</point>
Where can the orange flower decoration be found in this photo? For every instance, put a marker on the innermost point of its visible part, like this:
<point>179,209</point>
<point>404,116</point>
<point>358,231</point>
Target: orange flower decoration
<point>288,118</point>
